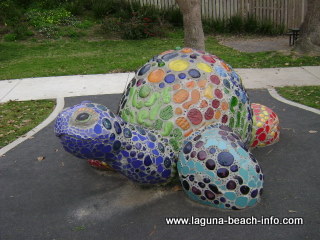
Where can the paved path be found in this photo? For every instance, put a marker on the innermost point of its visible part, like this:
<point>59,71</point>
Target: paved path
<point>67,86</point>
<point>61,197</point>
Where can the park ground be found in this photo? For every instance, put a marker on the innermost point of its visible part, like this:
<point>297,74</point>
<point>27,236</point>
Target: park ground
<point>48,194</point>
<point>63,41</point>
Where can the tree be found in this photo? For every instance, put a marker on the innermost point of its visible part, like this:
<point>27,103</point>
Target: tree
<point>193,31</point>
<point>309,41</point>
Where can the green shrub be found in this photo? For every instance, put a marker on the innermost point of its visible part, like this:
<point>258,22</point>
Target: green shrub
<point>22,31</point>
<point>235,24</point>
<point>266,27</point>
<point>174,17</point>
<point>209,26</point>
<point>10,37</point>
<point>126,9</point>
<point>47,4</point>
<point>102,8</point>
<point>47,22</point>
<point>49,31</point>
<point>138,27</point>
<point>4,30</point>
<point>10,12</point>
<point>251,25</point>
<point>41,17</point>
<point>85,24</point>
<point>219,25</point>
<point>70,32</point>
<point>76,7</point>
<point>269,28</point>
<point>133,21</point>
<point>111,24</point>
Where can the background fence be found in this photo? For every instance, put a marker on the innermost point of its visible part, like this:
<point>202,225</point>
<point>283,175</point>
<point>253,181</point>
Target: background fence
<point>289,13</point>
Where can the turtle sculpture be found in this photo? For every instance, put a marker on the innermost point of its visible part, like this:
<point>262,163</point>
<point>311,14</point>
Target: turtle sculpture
<point>185,112</point>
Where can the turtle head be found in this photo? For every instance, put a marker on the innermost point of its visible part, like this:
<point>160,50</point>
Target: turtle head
<point>85,128</point>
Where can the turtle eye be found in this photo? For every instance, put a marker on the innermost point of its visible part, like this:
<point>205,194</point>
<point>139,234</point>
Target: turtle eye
<point>83,117</point>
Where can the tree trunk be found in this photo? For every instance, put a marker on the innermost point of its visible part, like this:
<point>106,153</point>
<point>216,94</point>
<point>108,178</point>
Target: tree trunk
<point>193,31</point>
<point>309,41</point>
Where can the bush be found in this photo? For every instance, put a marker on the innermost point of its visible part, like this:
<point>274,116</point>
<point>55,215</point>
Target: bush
<point>49,31</point>
<point>70,33</point>
<point>102,8</point>
<point>4,30</point>
<point>139,27</point>
<point>133,29</point>
<point>174,17</point>
<point>238,24</point>
<point>21,31</point>
<point>10,12</point>
<point>40,17</point>
<point>251,25</point>
<point>235,24</point>
<point>219,25</point>
<point>143,23</point>
<point>76,7</point>
<point>84,24</point>
<point>48,22</point>
<point>111,24</point>
<point>10,37</point>
<point>269,28</point>
<point>46,4</point>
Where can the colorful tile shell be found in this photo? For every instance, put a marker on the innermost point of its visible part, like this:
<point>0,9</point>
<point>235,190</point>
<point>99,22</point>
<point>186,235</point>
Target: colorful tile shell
<point>181,91</point>
<point>184,110</point>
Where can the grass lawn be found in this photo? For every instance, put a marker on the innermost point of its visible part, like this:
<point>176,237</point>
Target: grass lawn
<point>67,57</point>
<point>307,95</point>
<point>42,58</point>
<point>17,118</point>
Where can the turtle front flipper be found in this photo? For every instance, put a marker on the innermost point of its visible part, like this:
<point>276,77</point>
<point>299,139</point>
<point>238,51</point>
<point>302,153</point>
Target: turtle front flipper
<point>216,169</point>
<point>266,129</point>
<point>100,165</point>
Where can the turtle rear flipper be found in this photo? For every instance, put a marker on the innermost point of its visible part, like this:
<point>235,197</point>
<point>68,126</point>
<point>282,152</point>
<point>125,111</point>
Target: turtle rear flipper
<point>266,129</point>
<point>216,169</point>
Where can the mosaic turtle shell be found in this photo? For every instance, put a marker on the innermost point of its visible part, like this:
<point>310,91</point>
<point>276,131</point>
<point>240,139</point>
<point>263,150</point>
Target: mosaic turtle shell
<point>180,91</point>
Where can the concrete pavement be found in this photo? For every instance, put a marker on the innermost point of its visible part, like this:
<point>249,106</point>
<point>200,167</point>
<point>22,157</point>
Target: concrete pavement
<point>80,85</point>
<point>61,197</point>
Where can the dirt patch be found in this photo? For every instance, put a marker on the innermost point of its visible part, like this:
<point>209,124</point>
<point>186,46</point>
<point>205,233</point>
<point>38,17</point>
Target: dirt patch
<point>256,44</point>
